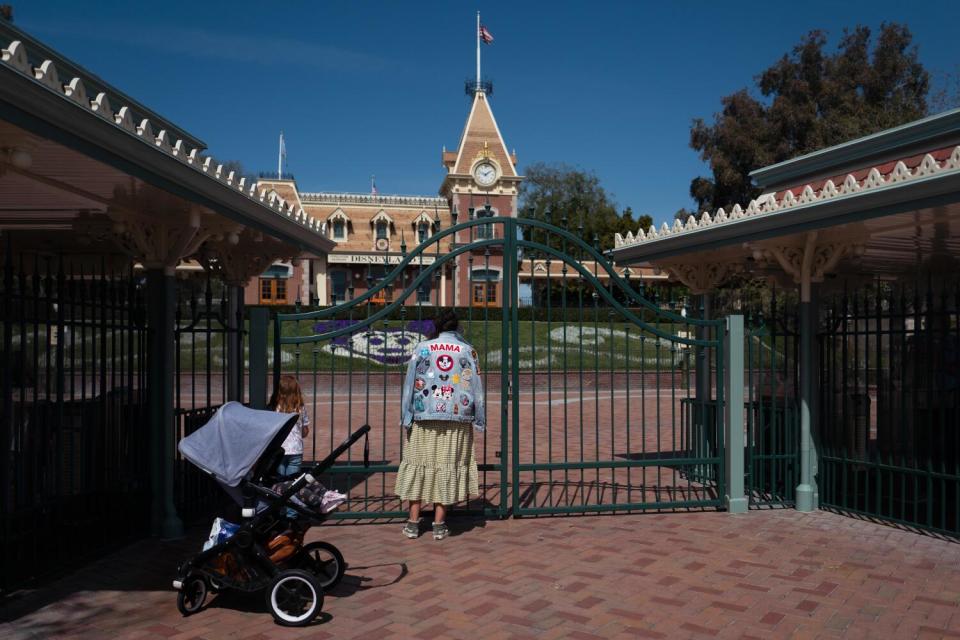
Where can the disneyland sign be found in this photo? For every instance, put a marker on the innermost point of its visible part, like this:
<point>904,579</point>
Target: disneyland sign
<point>374,259</point>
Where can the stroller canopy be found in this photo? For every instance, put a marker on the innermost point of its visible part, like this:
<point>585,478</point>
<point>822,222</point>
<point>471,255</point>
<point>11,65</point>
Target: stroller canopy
<point>234,439</point>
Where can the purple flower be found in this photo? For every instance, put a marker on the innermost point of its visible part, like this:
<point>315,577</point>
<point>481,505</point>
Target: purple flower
<point>390,346</point>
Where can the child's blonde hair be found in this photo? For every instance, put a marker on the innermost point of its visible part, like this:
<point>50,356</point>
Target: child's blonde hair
<point>287,398</point>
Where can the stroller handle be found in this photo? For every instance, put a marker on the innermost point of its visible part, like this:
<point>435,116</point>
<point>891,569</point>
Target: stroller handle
<point>327,462</point>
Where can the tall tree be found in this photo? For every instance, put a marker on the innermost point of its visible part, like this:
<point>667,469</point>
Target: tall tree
<point>812,98</point>
<point>627,223</point>
<point>238,170</point>
<point>565,196</point>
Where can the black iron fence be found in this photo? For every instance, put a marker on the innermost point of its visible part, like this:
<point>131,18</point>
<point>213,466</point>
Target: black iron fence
<point>890,403</point>
<point>772,412</point>
<point>74,473</point>
<point>209,335</point>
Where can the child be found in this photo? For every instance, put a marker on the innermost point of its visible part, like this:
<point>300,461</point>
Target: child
<point>289,399</point>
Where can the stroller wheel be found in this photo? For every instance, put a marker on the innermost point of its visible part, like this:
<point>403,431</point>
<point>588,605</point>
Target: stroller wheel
<point>190,598</point>
<point>295,598</point>
<point>323,560</point>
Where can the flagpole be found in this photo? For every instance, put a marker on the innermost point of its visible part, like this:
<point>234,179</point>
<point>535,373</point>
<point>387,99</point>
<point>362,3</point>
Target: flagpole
<point>280,158</point>
<point>478,51</point>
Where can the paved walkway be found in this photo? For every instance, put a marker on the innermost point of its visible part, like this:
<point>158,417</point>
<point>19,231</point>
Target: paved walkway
<point>767,574</point>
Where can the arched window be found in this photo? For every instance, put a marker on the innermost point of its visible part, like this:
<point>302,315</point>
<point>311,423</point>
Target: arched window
<point>339,230</point>
<point>423,291</point>
<point>382,229</point>
<point>423,232</point>
<point>484,231</point>
<point>338,280</point>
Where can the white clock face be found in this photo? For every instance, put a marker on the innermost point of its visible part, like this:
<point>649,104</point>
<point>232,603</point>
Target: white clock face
<point>485,174</point>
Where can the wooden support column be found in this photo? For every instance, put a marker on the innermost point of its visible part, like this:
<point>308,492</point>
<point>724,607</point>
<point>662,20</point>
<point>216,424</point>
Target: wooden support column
<point>807,265</point>
<point>161,308</point>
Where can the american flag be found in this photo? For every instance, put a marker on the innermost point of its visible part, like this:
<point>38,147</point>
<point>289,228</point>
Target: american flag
<point>485,35</point>
<point>373,185</point>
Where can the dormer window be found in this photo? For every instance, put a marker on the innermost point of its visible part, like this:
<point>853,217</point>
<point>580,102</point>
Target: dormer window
<point>382,224</point>
<point>422,226</point>
<point>339,225</point>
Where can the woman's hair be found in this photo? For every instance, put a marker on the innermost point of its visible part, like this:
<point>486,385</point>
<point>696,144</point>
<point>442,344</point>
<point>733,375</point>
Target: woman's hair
<point>445,320</point>
<point>288,397</point>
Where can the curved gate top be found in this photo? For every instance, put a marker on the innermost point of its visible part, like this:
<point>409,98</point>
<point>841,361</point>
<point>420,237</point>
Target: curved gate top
<point>598,398</point>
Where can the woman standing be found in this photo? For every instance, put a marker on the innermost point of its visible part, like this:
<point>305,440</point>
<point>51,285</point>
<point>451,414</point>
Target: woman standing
<point>442,405</point>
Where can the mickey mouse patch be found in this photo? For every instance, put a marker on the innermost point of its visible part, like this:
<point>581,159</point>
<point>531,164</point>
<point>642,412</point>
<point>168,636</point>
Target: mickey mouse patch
<point>444,362</point>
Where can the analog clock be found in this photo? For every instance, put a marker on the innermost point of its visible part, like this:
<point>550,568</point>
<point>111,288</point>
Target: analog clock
<point>485,174</point>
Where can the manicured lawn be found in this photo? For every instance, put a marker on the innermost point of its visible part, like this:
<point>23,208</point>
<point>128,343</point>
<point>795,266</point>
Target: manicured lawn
<point>594,343</point>
<point>591,345</point>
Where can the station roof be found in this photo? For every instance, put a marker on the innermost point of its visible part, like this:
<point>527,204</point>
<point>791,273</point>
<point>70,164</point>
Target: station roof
<point>77,155</point>
<point>895,195</point>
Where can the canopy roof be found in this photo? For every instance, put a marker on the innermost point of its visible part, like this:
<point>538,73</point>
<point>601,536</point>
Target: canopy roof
<point>79,156</point>
<point>900,214</point>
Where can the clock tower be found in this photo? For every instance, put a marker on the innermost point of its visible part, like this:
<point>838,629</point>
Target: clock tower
<point>481,181</point>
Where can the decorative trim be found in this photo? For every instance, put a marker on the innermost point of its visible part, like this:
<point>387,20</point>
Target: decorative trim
<point>423,218</point>
<point>873,145</point>
<point>382,216</point>
<point>160,245</point>
<point>823,258</point>
<point>700,277</point>
<point>239,259</point>
<point>338,199</point>
<point>15,57</point>
<point>768,203</point>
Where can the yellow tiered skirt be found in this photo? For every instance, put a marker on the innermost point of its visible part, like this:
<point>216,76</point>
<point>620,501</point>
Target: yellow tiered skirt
<point>439,465</point>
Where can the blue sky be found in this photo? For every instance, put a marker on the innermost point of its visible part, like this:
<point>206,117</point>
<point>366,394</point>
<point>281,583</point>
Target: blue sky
<point>363,88</point>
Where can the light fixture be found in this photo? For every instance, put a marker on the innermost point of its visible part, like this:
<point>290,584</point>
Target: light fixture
<point>20,158</point>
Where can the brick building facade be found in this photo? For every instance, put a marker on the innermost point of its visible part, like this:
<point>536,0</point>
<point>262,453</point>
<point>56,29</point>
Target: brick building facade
<point>370,229</point>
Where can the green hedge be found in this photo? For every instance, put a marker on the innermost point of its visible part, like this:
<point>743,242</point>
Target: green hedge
<point>556,313</point>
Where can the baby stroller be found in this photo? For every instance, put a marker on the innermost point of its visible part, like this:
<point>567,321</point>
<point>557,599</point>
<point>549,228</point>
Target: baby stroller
<point>240,448</point>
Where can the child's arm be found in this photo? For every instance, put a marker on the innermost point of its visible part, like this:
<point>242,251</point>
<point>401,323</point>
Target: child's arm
<point>304,422</point>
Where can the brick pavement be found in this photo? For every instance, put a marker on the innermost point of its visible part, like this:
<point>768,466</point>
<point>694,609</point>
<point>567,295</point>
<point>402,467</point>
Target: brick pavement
<point>766,574</point>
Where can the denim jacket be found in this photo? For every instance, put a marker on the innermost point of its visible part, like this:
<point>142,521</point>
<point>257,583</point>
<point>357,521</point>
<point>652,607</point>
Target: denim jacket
<point>443,383</point>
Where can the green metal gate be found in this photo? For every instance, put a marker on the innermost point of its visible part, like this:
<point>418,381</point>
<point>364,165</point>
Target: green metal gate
<point>600,404</point>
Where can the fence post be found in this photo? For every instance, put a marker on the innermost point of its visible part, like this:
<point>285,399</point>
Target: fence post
<point>259,319</point>
<point>807,497</point>
<point>736,500</point>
